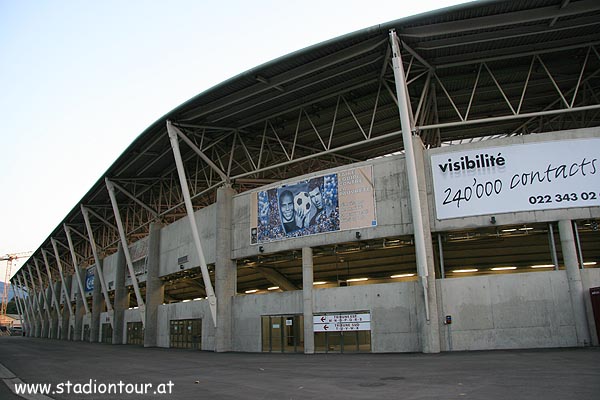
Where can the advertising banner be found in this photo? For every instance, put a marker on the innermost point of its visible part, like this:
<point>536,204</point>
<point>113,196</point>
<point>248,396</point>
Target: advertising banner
<point>328,203</point>
<point>525,177</point>
<point>89,279</point>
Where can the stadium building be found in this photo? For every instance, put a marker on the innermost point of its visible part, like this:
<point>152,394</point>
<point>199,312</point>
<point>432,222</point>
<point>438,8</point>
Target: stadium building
<point>428,184</point>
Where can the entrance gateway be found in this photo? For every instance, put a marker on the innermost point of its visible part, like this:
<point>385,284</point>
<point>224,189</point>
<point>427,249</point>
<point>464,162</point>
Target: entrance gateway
<point>333,333</point>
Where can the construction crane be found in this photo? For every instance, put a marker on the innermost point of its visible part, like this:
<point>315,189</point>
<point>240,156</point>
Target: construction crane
<point>9,258</point>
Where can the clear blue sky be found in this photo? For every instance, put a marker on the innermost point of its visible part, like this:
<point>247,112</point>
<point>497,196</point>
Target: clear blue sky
<point>80,80</point>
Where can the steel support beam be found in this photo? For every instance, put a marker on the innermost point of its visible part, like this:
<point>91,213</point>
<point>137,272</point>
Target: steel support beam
<point>33,293</point>
<point>134,281</point>
<point>55,301</point>
<point>76,267</point>
<point>100,272</point>
<point>508,117</point>
<point>210,293</point>
<point>63,285</point>
<point>138,201</point>
<point>197,150</point>
<point>46,302</point>
<point>411,168</point>
<point>23,312</point>
<point>45,330</point>
<point>27,303</point>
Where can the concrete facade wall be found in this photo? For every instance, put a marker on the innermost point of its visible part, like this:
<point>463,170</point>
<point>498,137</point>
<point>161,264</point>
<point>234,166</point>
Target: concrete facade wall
<point>392,307</point>
<point>109,268</point>
<point>186,310</point>
<point>393,312</point>
<point>247,312</point>
<point>176,241</point>
<point>391,204</point>
<point>507,311</point>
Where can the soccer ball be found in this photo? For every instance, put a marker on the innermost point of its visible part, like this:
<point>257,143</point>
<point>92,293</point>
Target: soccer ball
<point>302,203</point>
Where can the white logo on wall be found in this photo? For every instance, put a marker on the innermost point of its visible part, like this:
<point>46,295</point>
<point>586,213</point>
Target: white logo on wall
<point>525,177</point>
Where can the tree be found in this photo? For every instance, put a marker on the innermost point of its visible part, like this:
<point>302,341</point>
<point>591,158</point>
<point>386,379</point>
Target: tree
<point>11,307</point>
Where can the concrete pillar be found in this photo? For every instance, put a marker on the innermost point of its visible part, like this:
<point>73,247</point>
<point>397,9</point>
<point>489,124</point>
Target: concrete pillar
<point>569,252</point>
<point>225,270</point>
<point>155,289</point>
<point>97,308</point>
<point>430,328</point>
<point>121,298</point>
<point>66,318</point>
<point>79,309</point>
<point>307,299</point>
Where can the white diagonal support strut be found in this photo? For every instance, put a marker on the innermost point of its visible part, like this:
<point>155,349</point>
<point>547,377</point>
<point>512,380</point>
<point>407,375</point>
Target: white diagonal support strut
<point>138,201</point>
<point>210,293</point>
<point>136,286</point>
<point>76,267</point>
<point>44,296</point>
<point>176,131</point>
<point>413,187</point>
<point>63,285</point>
<point>99,270</point>
<point>23,312</point>
<point>54,298</point>
<point>33,294</point>
<point>28,302</point>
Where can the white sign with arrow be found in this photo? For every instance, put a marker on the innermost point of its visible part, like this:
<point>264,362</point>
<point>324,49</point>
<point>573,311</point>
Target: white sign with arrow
<point>342,322</point>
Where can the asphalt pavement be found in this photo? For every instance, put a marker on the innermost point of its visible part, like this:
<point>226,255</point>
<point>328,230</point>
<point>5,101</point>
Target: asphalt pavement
<point>547,374</point>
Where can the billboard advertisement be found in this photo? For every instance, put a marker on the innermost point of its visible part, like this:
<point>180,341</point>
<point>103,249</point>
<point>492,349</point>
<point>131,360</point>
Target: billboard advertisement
<point>524,177</point>
<point>339,201</point>
<point>90,273</point>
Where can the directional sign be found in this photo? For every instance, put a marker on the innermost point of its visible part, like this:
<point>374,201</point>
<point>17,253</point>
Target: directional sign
<point>334,318</point>
<point>342,326</point>
<point>342,322</point>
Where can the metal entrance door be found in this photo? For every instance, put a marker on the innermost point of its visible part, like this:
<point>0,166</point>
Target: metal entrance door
<point>107,332</point>
<point>343,342</point>
<point>86,333</point>
<point>283,333</point>
<point>186,334</point>
<point>135,333</point>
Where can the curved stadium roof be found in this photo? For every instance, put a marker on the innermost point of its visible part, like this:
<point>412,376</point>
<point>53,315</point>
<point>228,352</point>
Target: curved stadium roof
<point>474,71</point>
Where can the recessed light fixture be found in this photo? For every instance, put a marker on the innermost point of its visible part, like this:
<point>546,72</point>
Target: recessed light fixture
<point>401,276</point>
<point>525,228</point>
<point>251,291</point>
<point>503,268</point>
<point>460,271</point>
<point>509,230</point>
<point>357,279</point>
<point>543,266</point>
<point>273,288</point>
<point>590,263</point>
<point>319,283</point>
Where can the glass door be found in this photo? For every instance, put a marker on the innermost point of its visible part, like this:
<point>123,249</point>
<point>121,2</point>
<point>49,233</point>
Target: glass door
<point>282,333</point>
